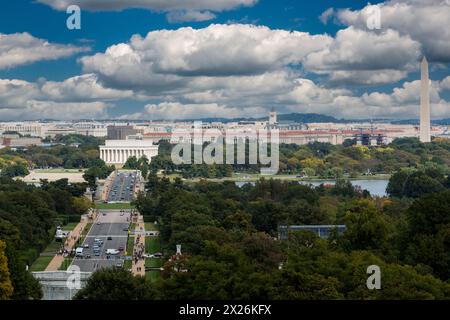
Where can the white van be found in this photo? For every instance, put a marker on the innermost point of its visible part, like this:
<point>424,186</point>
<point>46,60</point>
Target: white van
<point>112,251</point>
<point>79,252</point>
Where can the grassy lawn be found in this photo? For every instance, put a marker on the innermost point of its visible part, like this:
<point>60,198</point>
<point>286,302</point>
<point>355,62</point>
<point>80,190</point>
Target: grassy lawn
<point>66,263</point>
<point>113,206</point>
<point>85,232</point>
<point>153,263</point>
<point>53,247</point>
<point>59,170</point>
<point>153,275</point>
<point>41,263</point>
<point>86,229</point>
<point>152,244</point>
<point>150,226</point>
<point>70,226</point>
<point>127,264</point>
<point>130,246</point>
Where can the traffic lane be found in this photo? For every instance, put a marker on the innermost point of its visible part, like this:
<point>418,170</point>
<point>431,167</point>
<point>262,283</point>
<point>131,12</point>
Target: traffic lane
<point>116,216</point>
<point>117,232</point>
<point>121,187</point>
<point>113,224</point>
<point>94,262</point>
<point>92,265</point>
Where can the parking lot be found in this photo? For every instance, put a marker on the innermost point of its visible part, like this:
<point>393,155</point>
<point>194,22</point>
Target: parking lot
<point>122,188</point>
<point>111,227</point>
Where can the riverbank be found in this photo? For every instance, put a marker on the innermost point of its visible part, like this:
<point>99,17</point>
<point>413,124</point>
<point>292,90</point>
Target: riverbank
<point>244,177</point>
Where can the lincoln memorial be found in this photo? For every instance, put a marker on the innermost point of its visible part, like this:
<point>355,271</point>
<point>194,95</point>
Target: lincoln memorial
<point>118,151</point>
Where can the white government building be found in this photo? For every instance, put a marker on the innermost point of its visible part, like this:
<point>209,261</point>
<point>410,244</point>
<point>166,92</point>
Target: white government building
<point>118,151</point>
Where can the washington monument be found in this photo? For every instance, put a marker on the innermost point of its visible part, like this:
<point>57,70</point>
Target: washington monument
<point>424,102</point>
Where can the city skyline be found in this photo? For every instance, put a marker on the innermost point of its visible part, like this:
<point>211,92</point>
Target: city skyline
<point>231,61</point>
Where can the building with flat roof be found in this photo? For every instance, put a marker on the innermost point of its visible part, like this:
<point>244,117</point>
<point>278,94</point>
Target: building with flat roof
<point>15,141</point>
<point>94,129</point>
<point>119,132</point>
<point>323,231</point>
<point>118,151</point>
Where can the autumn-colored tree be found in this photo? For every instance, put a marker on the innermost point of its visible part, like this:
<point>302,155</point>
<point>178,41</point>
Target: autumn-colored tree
<point>6,288</point>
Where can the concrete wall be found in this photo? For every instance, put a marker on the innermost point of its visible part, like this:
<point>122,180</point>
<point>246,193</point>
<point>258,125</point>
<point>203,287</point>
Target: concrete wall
<point>55,284</point>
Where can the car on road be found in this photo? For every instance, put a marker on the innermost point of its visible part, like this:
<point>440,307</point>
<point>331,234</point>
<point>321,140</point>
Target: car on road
<point>112,251</point>
<point>121,248</point>
<point>98,223</point>
<point>97,253</point>
<point>125,229</point>
<point>157,255</point>
<point>86,246</point>
<point>109,238</point>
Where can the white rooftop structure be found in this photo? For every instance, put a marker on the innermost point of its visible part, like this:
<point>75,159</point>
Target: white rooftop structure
<point>118,151</point>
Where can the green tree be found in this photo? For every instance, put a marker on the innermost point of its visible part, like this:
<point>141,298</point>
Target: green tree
<point>428,234</point>
<point>14,170</point>
<point>115,284</point>
<point>367,227</point>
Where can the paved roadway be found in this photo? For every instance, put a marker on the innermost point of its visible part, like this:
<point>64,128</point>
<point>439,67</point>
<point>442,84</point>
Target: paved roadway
<point>122,188</point>
<point>110,223</point>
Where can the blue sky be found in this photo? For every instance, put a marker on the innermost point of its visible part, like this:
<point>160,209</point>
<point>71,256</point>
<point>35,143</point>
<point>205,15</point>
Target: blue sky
<point>108,28</point>
<point>332,73</point>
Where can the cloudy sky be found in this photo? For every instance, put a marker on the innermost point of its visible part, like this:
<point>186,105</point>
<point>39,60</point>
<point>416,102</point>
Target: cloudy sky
<point>175,59</point>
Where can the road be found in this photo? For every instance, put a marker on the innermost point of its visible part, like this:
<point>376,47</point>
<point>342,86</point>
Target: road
<point>122,188</point>
<point>111,224</point>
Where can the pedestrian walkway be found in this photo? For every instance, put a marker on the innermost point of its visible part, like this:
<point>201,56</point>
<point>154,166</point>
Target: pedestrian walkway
<point>70,243</point>
<point>138,262</point>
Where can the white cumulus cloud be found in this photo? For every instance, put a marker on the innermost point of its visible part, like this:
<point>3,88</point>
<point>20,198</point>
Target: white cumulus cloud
<point>178,10</point>
<point>22,48</point>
